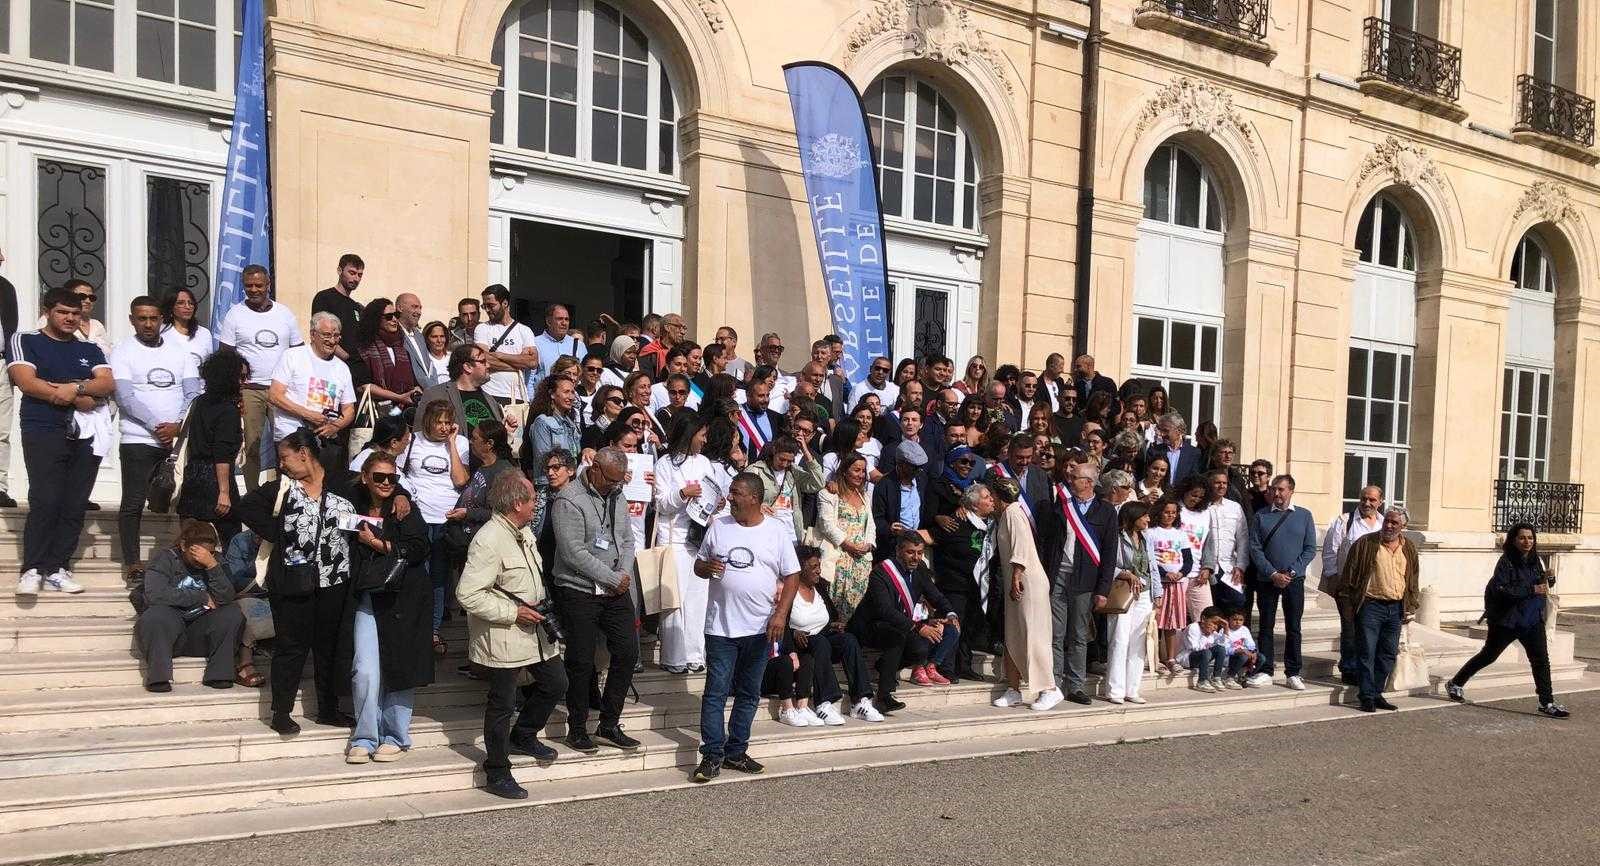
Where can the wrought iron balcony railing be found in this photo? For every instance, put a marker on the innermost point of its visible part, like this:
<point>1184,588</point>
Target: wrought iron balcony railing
<point>1545,108</point>
<point>1246,18</point>
<point>1548,505</point>
<point>1412,60</point>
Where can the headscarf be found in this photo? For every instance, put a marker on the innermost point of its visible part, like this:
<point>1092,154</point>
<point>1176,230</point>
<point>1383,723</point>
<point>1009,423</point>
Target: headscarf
<point>620,347</point>
<point>950,473</point>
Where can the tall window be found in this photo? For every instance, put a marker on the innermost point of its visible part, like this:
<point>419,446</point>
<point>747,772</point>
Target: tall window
<point>1530,365</point>
<point>581,80</point>
<point>1180,191</point>
<point>177,42</point>
<point>186,43</point>
<point>1555,42</point>
<point>1185,357</point>
<point>927,170</point>
<point>76,32</point>
<point>1421,16</point>
<point>1382,348</point>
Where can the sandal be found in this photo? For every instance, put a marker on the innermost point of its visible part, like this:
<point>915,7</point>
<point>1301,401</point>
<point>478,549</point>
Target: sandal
<point>439,646</point>
<point>247,676</point>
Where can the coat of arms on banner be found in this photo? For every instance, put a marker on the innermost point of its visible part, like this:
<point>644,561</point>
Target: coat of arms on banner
<point>836,156</point>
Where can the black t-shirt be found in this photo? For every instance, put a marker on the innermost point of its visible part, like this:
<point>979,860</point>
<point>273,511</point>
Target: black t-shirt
<point>955,556</point>
<point>475,406</point>
<point>331,300</point>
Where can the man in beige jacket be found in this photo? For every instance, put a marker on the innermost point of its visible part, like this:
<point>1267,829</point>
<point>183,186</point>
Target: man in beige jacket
<point>502,591</point>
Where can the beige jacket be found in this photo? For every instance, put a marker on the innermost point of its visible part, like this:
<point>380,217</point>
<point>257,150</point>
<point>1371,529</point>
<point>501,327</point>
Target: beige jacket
<point>830,532</point>
<point>506,557</point>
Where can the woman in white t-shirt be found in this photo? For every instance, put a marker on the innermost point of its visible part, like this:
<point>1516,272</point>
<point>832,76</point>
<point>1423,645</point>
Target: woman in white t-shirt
<point>797,670</point>
<point>433,470</point>
<point>180,323</point>
<point>436,337</point>
<point>682,512</point>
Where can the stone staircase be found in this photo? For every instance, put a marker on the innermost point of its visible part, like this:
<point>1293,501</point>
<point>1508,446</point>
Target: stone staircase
<point>90,762</point>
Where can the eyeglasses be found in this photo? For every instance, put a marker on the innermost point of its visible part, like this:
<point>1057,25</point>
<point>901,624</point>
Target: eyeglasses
<point>1259,473</point>
<point>390,315</point>
<point>774,350</point>
<point>678,392</point>
<point>90,298</point>
<point>614,401</point>
<point>588,369</point>
<point>385,478</point>
<point>642,425</point>
<point>880,369</point>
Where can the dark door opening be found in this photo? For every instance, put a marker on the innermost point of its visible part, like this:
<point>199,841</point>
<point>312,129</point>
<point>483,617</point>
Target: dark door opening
<point>589,272</point>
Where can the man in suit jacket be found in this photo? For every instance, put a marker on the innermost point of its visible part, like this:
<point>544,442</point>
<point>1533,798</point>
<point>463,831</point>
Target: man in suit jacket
<point>1183,459</point>
<point>906,618</point>
<point>897,501</point>
<point>1018,466</point>
<point>1283,540</point>
<point>409,309</point>
<point>1080,568</point>
<point>759,425</point>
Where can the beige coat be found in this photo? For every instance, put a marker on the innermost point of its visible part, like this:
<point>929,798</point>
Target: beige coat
<point>506,557</point>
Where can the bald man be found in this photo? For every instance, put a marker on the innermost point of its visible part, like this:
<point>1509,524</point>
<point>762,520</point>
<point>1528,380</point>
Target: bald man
<point>653,358</point>
<point>1085,380</point>
<point>409,308</point>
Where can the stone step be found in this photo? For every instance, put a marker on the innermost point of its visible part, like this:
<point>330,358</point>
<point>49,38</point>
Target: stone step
<point>109,634</point>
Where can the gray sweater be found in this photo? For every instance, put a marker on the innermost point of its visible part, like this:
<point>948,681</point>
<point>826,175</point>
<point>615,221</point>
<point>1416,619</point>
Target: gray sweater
<point>592,548</point>
<point>165,585</point>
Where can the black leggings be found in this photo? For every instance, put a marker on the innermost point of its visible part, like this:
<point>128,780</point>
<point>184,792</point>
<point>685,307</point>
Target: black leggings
<point>1500,637</point>
<point>788,679</point>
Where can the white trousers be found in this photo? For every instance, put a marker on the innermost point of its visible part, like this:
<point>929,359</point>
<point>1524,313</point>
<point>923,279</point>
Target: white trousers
<point>1125,654</point>
<point>683,631</point>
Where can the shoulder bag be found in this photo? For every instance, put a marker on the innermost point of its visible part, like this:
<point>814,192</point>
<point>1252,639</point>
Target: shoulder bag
<point>167,475</point>
<point>366,421</point>
<point>382,572</point>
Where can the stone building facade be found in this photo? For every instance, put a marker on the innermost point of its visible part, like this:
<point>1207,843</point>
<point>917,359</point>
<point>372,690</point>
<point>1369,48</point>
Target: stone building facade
<point>1359,238</point>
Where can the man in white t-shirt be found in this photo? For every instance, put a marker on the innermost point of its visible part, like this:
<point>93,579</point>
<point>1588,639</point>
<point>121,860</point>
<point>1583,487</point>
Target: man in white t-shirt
<point>746,557</point>
<point>311,388</point>
<point>156,377</point>
<point>260,331</point>
<point>509,343</point>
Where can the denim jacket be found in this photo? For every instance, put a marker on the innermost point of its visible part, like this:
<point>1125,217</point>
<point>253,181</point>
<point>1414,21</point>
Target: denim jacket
<point>1128,555</point>
<point>549,433</point>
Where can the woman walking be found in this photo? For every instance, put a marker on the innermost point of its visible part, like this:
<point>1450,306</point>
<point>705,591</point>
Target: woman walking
<point>390,605</point>
<point>1514,605</point>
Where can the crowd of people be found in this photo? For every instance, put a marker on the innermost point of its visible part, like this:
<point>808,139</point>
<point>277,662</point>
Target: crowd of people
<point>578,490</point>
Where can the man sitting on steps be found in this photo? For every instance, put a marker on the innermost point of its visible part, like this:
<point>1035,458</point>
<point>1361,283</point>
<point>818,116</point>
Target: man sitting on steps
<point>907,618</point>
<point>189,611</point>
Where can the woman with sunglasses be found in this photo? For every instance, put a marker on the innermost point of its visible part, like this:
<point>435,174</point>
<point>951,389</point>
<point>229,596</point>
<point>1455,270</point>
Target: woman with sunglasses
<point>388,626</point>
<point>976,378</point>
<point>589,371</point>
<point>682,503</point>
<point>179,322</point>
<point>382,346</point>
<point>433,470</point>
<point>603,412</point>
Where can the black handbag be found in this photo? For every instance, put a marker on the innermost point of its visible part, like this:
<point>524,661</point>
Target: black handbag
<point>302,579</point>
<point>382,573</point>
<point>163,484</point>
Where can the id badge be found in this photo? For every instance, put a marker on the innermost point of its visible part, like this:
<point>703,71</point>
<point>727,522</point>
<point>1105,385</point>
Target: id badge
<point>602,543</point>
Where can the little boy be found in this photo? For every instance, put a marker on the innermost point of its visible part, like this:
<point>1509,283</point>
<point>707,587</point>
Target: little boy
<point>1204,649</point>
<point>1241,647</point>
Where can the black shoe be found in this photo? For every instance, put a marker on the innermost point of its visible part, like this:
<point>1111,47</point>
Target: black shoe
<point>1455,693</point>
<point>967,674</point>
<point>507,788</point>
<point>616,737</point>
<point>888,704</point>
<point>1350,679</point>
<point>709,769</point>
<point>1553,710</point>
<point>6,501</point>
<point>284,725</point>
<point>744,764</point>
<point>91,506</point>
<point>336,720</point>
<point>1382,704</point>
<point>160,688</point>
<point>1079,698</point>
<point>217,684</point>
<point>581,742</point>
<point>533,749</point>
<point>1368,707</point>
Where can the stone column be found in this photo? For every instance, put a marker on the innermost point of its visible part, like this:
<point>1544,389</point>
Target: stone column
<point>1009,304</point>
<point>1258,332</point>
<point>1574,419</point>
<point>1116,240</point>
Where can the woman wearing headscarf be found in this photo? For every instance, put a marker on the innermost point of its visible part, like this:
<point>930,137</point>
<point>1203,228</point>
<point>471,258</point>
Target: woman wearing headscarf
<point>956,477</point>
<point>622,360</point>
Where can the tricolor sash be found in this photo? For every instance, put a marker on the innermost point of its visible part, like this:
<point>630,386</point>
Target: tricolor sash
<point>899,582</point>
<point>747,426</point>
<point>1069,511</point>
<point>1003,471</point>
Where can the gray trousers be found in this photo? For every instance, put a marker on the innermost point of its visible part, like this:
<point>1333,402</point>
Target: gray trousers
<point>161,634</point>
<point>1071,620</point>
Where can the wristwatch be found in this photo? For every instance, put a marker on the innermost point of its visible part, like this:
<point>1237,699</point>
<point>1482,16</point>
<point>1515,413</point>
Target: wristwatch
<point>80,388</point>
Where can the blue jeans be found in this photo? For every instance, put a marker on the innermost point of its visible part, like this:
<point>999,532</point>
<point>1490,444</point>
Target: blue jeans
<point>438,571</point>
<point>1293,598</point>
<point>382,716</point>
<point>1208,663</point>
<point>240,559</point>
<point>1379,625</point>
<point>733,664</point>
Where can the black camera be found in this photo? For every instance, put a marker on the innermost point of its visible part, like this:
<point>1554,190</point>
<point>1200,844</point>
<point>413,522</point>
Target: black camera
<point>552,626</point>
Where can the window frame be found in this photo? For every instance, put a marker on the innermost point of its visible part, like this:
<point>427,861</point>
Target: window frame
<point>124,73</point>
<point>1397,449</point>
<point>1519,267</point>
<point>1167,374</point>
<point>1209,196</point>
<point>1405,242</point>
<point>1536,420</point>
<point>966,162</point>
<point>507,93</point>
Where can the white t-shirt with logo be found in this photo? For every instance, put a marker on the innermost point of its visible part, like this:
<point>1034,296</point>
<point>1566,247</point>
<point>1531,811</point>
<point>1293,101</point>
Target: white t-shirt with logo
<point>200,342</point>
<point>517,337</point>
<point>261,338</point>
<point>157,374</point>
<point>742,599</point>
<point>323,386</point>
<point>425,473</point>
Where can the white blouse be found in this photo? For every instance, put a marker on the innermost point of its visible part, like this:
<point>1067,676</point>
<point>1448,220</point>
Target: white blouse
<point>672,518</point>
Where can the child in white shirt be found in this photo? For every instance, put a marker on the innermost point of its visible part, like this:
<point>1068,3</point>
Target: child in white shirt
<point>1204,648</point>
<point>1241,647</point>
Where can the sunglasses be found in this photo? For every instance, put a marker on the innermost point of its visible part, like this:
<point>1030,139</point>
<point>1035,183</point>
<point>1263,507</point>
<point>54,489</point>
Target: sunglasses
<point>614,401</point>
<point>1259,474</point>
<point>390,315</point>
<point>593,369</point>
<point>90,298</point>
<point>678,392</point>
<point>385,478</point>
<point>776,350</point>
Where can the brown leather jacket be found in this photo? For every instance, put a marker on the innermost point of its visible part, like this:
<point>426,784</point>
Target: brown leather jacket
<point>1362,563</point>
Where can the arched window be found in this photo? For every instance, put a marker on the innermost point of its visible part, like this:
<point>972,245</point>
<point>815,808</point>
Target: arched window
<point>1382,349</point>
<point>579,79</point>
<point>1530,364</point>
<point>927,169</point>
<point>1179,190</point>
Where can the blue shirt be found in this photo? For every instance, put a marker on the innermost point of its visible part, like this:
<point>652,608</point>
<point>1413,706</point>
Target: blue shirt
<point>54,361</point>
<point>910,505</point>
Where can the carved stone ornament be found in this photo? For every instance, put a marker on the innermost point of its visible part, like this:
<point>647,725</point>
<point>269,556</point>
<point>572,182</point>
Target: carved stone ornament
<point>1405,164</point>
<point>713,14</point>
<point>1549,201</point>
<point>1198,105</point>
<point>936,30</point>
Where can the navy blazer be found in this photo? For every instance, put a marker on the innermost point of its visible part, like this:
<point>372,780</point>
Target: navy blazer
<point>886,495</point>
<point>778,423</point>
<point>1190,461</point>
<point>880,606</point>
<point>1051,533</point>
<point>1033,485</point>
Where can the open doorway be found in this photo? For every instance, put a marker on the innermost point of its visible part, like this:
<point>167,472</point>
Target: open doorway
<point>589,272</point>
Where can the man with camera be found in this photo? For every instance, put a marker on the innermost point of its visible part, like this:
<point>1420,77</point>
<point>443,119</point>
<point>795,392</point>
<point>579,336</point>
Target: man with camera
<point>511,629</point>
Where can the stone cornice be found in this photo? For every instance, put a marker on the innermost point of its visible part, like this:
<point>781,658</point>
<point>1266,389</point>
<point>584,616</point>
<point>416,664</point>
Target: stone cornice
<point>1118,212</point>
<point>1007,192</point>
<point>310,53</point>
<point>699,127</point>
<point>1491,292</point>
<point>1266,248</point>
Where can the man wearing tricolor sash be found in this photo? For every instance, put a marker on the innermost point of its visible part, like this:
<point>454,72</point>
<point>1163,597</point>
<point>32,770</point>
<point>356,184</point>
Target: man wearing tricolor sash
<point>906,618</point>
<point>758,424</point>
<point>1019,467</point>
<point>1078,541</point>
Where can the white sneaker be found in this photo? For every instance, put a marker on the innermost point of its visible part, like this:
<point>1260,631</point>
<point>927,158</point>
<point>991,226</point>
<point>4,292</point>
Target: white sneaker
<point>1260,679</point>
<point>1296,683</point>
<point>1048,700</point>
<point>866,712</point>
<point>829,714</point>
<point>791,717</point>
<point>61,581</point>
<point>1204,686</point>
<point>1135,699</point>
<point>1012,698</point>
<point>28,584</point>
<point>1117,701</point>
<point>811,717</point>
<point>1232,684</point>
<point>1217,685</point>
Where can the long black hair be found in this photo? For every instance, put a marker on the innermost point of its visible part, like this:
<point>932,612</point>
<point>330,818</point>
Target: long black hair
<point>1510,545</point>
<point>371,320</point>
<point>170,303</point>
<point>222,372</point>
<point>684,428</point>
